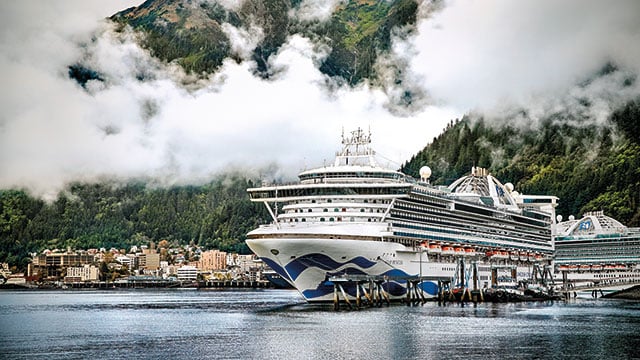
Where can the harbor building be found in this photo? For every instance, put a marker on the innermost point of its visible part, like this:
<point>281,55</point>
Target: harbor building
<point>82,274</point>
<point>212,260</point>
<point>187,273</point>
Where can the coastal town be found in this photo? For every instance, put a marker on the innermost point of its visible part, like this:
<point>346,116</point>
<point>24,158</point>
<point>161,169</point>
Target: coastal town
<point>140,266</point>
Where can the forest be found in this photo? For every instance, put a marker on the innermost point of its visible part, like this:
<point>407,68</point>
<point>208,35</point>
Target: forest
<point>216,215</point>
<point>588,166</point>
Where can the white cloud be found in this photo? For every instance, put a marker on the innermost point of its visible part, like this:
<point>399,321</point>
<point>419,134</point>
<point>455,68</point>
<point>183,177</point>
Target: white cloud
<point>479,54</point>
<point>53,131</point>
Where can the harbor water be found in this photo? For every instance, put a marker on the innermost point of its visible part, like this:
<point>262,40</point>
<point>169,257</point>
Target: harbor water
<point>278,324</point>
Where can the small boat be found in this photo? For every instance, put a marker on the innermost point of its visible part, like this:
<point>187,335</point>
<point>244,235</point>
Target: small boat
<point>459,251</point>
<point>447,250</point>
<point>435,249</point>
<point>621,267</point>
<point>563,268</point>
<point>504,254</point>
<point>609,267</point>
<point>585,267</point>
<point>524,256</point>
<point>573,267</point>
<point>469,251</point>
<point>514,256</point>
<point>596,267</point>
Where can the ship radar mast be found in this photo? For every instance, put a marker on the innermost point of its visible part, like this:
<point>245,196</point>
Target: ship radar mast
<point>356,149</point>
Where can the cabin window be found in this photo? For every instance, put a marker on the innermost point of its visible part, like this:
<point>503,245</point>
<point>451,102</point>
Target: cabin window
<point>325,210</point>
<point>321,219</point>
<point>331,219</point>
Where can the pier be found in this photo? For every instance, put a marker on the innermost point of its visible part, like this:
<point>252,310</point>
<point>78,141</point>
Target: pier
<point>461,288</point>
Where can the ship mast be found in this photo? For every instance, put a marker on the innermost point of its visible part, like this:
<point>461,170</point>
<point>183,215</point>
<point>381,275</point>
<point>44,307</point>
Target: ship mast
<point>356,149</point>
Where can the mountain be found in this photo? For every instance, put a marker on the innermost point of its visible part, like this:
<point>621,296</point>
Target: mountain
<point>196,33</point>
<point>589,166</point>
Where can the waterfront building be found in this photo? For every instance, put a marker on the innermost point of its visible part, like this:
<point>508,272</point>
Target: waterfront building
<point>212,260</point>
<point>54,265</point>
<point>187,273</point>
<point>82,274</point>
<point>148,261</point>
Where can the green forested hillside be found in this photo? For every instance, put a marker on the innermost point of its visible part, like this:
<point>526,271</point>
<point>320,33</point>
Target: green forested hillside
<point>215,215</point>
<point>191,32</point>
<point>588,166</point>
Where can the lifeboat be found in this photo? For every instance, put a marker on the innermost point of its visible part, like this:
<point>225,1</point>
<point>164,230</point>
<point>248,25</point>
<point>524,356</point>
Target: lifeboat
<point>504,254</point>
<point>573,267</point>
<point>524,256</point>
<point>538,257</point>
<point>514,256</point>
<point>435,248</point>
<point>621,267</point>
<point>585,267</point>
<point>609,267</point>
<point>596,267</point>
<point>458,251</point>
<point>532,257</point>
<point>470,251</point>
<point>447,250</point>
<point>563,267</point>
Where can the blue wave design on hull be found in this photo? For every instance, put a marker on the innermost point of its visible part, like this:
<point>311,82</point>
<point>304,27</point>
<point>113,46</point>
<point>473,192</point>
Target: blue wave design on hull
<point>277,268</point>
<point>324,262</point>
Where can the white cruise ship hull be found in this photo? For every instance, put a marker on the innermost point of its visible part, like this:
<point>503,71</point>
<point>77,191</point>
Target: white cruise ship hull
<point>309,262</point>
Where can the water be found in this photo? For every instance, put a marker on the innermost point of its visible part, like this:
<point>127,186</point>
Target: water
<point>277,324</point>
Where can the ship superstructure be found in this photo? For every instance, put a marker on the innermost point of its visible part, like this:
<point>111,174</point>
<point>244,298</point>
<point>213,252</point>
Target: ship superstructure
<point>358,218</point>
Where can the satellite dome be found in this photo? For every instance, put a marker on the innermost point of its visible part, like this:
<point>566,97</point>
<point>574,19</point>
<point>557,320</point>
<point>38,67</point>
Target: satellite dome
<point>509,187</point>
<point>571,217</point>
<point>425,172</point>
<point>559,218</point>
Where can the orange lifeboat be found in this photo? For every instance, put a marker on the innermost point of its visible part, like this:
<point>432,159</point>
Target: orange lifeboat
<point>514,256</point>
<point>435,248</point>
<point>524,256</point>
<point>538,257</point>
<point>609,267</point>
<point>596,267</point>
<point>470,251</point>
<point>621,267</point>
<point>447,250</point>
<point>585,267</point>
<point>573,267</point>
<point>458,251</point>
<point>563,267</point>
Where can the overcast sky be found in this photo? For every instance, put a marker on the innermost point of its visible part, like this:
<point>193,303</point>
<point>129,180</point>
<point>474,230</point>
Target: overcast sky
<point>470,55</point>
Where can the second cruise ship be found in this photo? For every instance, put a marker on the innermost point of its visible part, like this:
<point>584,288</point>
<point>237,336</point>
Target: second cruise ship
<point>358,218</point>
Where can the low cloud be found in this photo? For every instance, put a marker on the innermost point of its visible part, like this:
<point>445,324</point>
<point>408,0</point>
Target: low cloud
<point>143,119</point>
<point>492,56</point>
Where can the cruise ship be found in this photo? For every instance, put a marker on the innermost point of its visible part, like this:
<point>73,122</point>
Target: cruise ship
<point>597,252</point>
<point>359,218</point>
